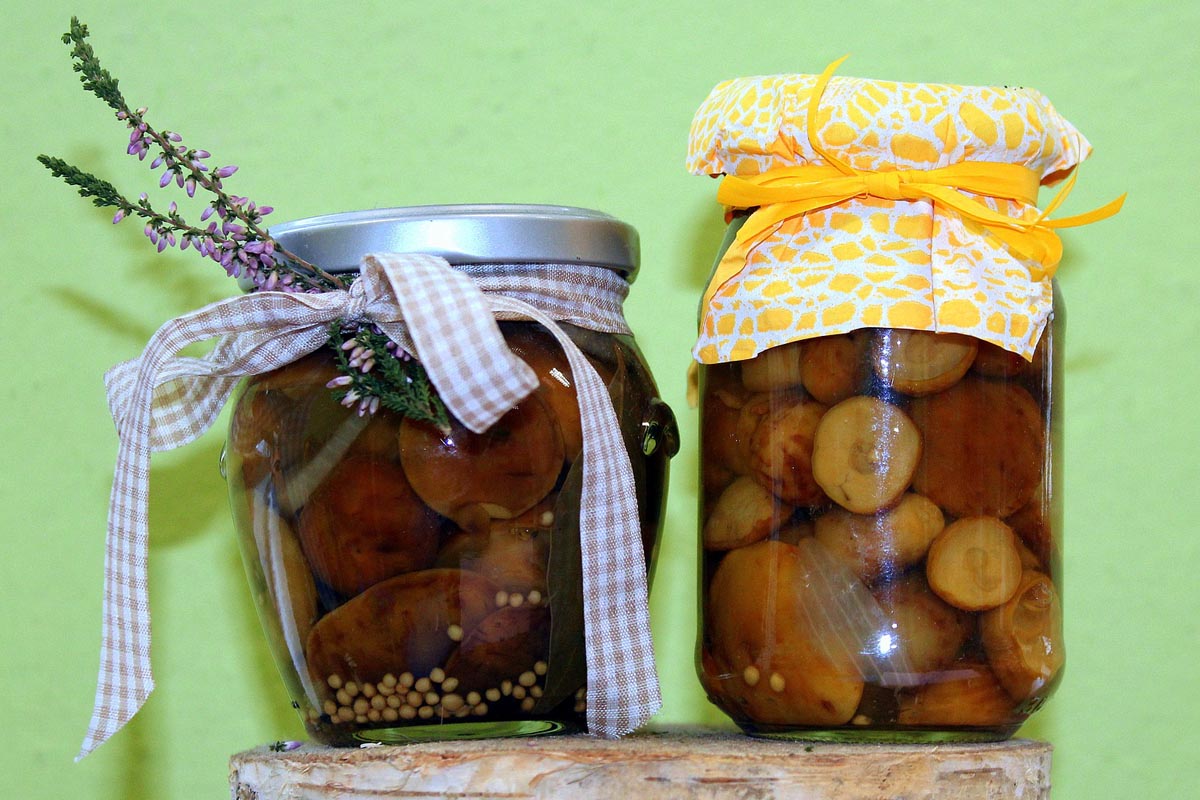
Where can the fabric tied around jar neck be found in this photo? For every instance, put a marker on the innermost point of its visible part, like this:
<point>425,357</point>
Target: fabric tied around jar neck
<point>446,318</point>
<point>960,247</point>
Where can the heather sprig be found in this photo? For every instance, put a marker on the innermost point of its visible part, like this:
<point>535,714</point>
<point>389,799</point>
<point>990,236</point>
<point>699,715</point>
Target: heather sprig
<point>377,373</point>
<point>236,239</point>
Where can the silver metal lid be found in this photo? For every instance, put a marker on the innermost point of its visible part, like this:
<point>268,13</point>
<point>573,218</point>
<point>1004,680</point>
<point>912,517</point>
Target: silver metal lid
<point>466,234</point>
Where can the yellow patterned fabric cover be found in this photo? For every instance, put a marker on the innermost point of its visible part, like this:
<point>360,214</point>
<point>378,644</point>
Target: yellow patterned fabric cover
<point>879,259</point>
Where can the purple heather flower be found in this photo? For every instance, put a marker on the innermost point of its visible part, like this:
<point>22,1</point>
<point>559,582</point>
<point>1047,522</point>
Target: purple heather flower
<point>120,215</point>
<point>165,179</point>
<point>225,172</point>
<point>206,213</point>
<point>190,187</point>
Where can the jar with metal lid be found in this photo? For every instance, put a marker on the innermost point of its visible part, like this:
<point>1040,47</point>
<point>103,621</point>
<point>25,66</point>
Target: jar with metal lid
<point>879,387</point>
<point>419,578</point>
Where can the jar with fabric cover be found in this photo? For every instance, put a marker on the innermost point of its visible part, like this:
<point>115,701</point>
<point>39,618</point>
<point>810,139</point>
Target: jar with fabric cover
<point>880,356</point>
<point>423,577</point>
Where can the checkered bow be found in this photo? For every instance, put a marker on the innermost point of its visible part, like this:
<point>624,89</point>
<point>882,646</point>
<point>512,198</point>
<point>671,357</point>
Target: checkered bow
<point>446,317</point>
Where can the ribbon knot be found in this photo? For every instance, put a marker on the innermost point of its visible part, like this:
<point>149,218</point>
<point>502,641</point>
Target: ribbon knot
<point>886,185</point>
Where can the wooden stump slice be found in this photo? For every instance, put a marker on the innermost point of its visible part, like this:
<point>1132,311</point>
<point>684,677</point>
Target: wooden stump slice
<point>676,764</point>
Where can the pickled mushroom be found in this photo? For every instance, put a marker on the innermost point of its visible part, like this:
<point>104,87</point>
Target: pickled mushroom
<point>504,645</point>
<point>864,453</point>
<point>974,564</point>
<point>967,695</point>
<point>993,361</point>
<point>473,478</point>
<point>773,370</point>
<point>364,524</point>
<point>398,626</point>
<point>983,448</point>
<point>881,545</point>
<point>818,681</point>
<point>725,455</point>
<point>922,362</point>
<point>744,514</point>
<point>513,553</point>
<point>927,632</point>
<point>1023,637</point>
<point>556,386</point>
<point>781,450</point>
<point>832,366</point>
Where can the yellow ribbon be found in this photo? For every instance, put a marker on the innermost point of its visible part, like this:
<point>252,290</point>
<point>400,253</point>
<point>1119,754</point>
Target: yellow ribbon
<point>785,192</point>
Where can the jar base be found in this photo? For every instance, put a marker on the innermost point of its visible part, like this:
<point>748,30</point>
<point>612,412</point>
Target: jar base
<point>462,731</point>
<point>859,736</point>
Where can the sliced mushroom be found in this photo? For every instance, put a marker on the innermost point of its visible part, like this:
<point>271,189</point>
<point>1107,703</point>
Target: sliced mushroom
<point>473,478</point>
<point>864,453</point>
<point>364,524</point>
<point>974,564</point>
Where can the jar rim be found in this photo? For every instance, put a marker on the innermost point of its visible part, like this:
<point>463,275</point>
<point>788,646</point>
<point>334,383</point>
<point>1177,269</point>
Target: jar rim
<point>489,233</point>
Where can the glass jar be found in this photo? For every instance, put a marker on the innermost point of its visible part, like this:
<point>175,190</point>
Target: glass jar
<point>880,518</point>
<point>422,583</point>
<point>880,350</point>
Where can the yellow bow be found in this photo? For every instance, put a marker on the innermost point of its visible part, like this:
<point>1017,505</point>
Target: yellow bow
<point>785,192</point>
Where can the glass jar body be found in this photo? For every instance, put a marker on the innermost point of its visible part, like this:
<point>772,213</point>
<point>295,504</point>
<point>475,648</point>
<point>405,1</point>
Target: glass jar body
<point>880,517</point>
<point>418,583</point>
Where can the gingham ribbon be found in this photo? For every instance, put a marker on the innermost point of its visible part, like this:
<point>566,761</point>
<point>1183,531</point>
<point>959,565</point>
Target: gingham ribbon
<point>445,317</point>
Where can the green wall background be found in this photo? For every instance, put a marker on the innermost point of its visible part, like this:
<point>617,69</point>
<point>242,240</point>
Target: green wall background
<point>330,107</point>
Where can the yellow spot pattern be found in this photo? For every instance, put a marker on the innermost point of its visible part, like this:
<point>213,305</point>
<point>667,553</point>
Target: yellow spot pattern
<point>871,262</point>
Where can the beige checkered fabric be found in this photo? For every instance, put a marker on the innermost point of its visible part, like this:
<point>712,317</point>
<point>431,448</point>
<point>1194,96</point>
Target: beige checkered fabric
<point>445,317</point>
